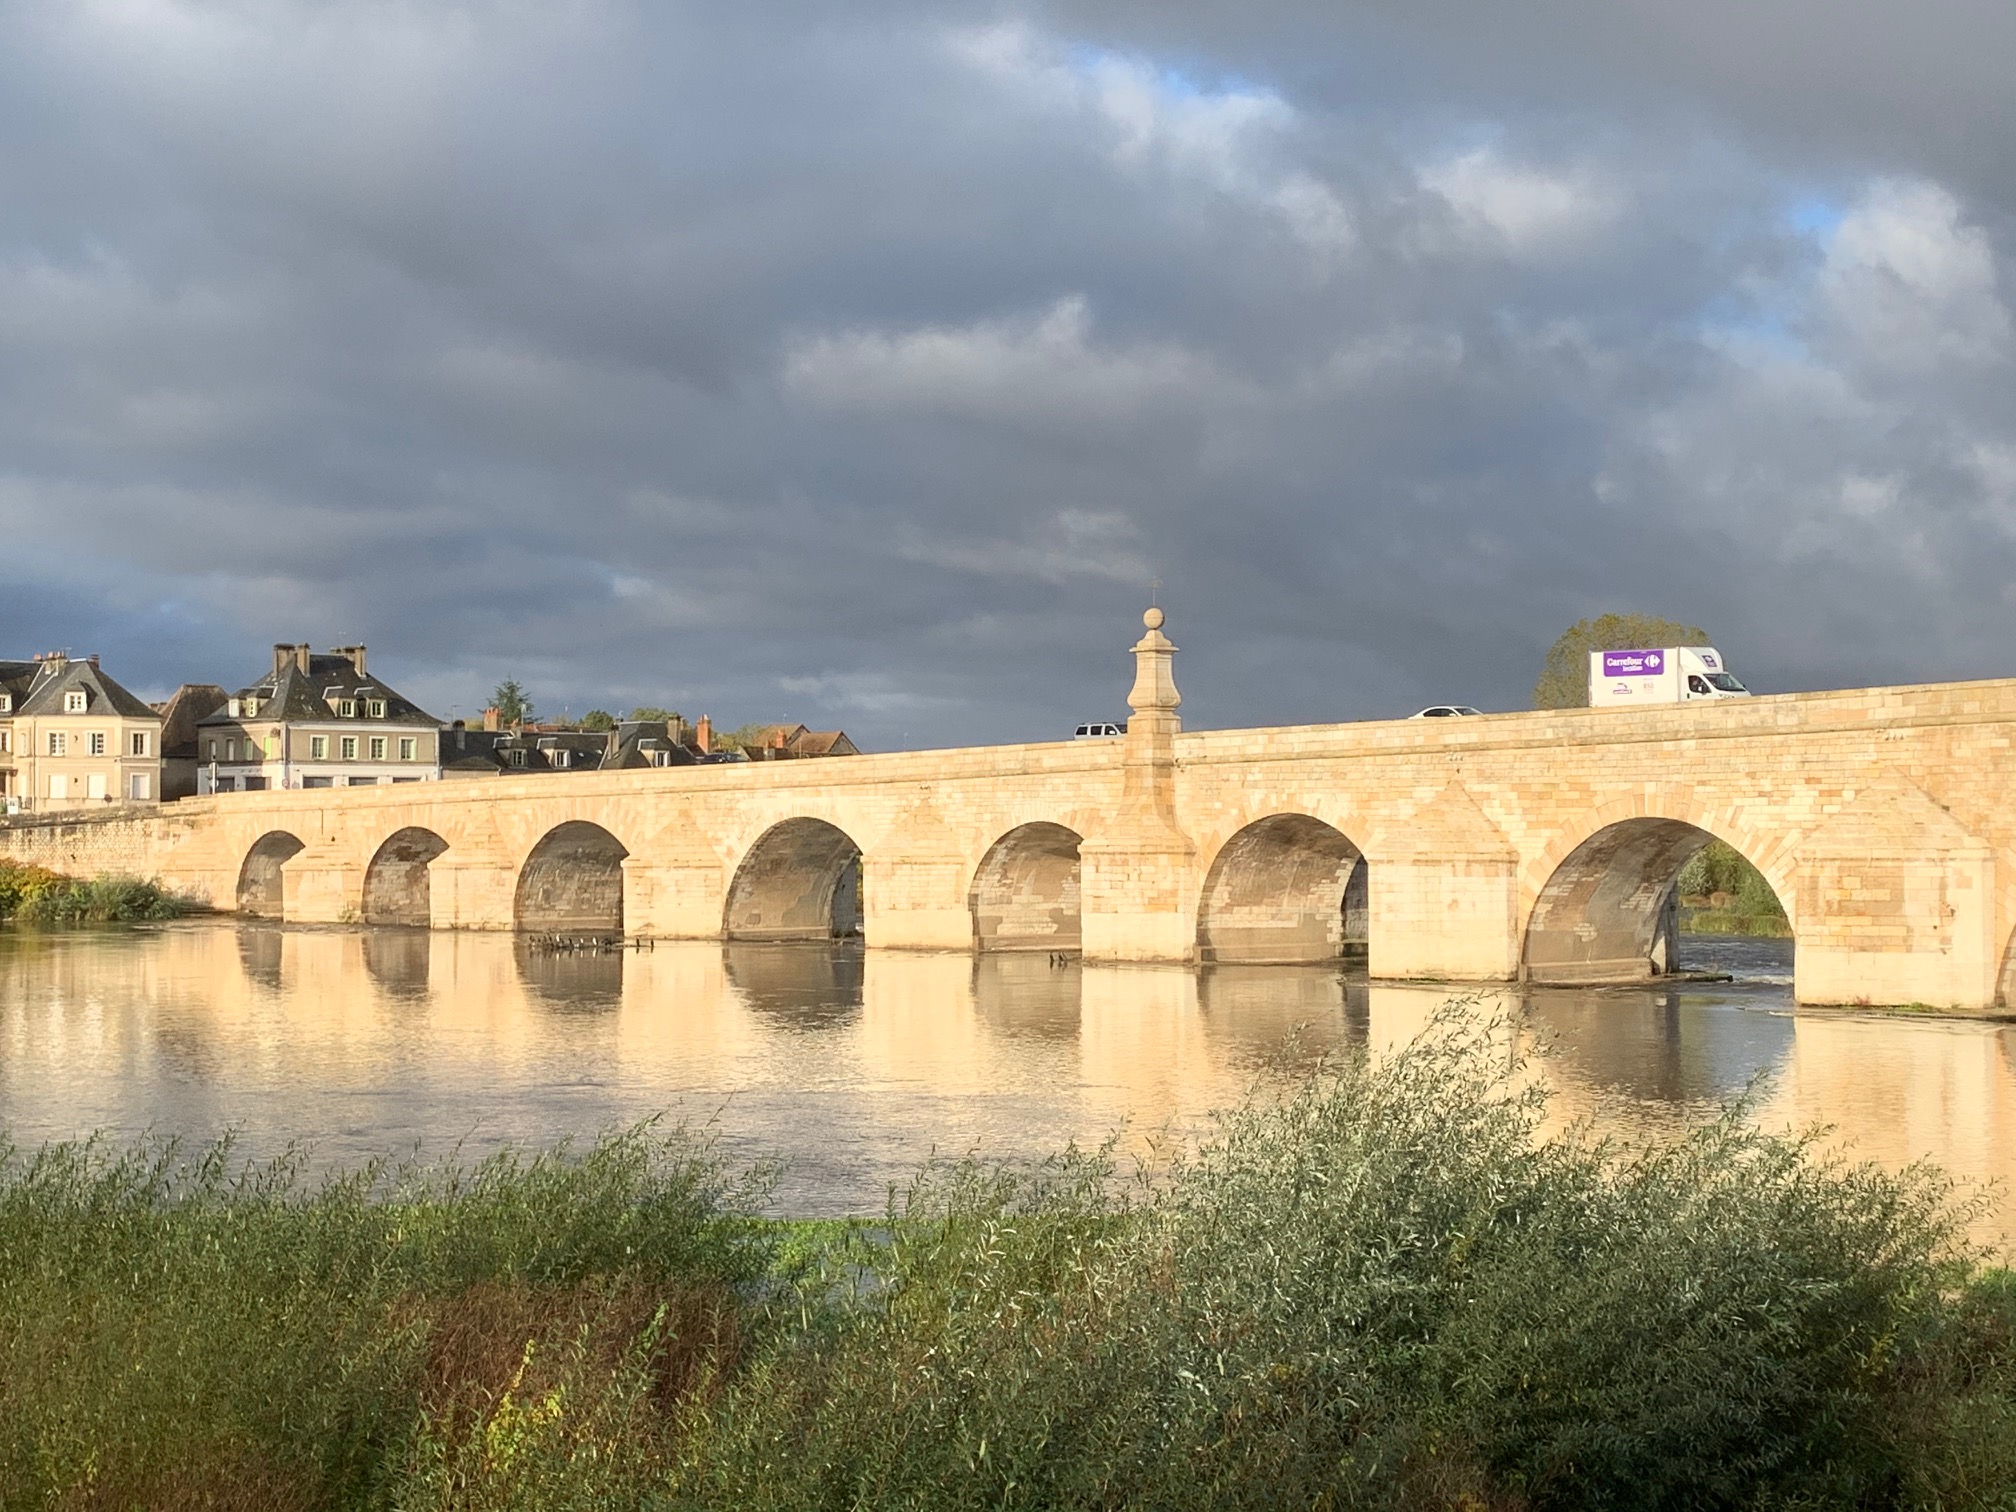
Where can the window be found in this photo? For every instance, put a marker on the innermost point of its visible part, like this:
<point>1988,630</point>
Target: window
<point>377,747</point>
<point>59,785</point>
<point>231,749</point>
<point>6,703</point>
<point>73,702</point>
<point>6,740</point>
<point>211,753</point>
<point>136,786</point>
<point>251,707</point>
<point>139,746</point>
<point>346,747</point>
<point>375,708</point>
<point>518,758</point>
<point>409,748</point>
<point>346,708</point>
<point>94,785</point>
<point>318,747</point>
<point>273,746</point>
<point>94,743</point>
<point>59,745</point>
<point>560,758</point>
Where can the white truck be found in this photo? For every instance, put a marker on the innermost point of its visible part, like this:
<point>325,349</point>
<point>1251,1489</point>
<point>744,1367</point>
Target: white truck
<point>1662,675</point>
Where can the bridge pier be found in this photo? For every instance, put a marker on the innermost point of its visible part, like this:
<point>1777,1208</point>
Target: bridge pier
<point>675,887</point>
<point>1137,878</point>
<point>1896,905</point>
<point>1444,895</point>
<point>322,884</point>
<point>473,886</point>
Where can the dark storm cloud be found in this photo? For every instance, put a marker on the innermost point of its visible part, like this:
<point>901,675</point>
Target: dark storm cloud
<point>864,369</point>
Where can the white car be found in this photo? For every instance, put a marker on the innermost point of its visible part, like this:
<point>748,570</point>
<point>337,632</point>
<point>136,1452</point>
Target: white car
<point>1445,711</point>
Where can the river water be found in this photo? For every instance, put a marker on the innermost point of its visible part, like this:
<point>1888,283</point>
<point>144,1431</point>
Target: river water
<point>851,1068</point>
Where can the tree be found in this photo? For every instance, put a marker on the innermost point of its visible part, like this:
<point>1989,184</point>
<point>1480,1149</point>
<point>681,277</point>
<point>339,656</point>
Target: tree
<point>512,703</point>
<point>651,714</point>
<point>598,719</point>
<point>1564,679</point>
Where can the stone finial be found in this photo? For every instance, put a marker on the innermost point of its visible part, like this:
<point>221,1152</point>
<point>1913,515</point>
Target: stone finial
<point>1154,690</point>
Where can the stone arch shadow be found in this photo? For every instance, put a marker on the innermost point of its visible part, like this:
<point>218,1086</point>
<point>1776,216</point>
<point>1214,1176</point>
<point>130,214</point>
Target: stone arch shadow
<point>1024,894</point>
<point>1287,889</point>
<point>1607,911</point>
<point>572,882</point>
<point>800,880</point>
<point>260,887</point>
<point>396,883</point>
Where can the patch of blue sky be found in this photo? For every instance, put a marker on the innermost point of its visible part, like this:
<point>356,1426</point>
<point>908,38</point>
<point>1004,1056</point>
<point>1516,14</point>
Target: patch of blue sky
<point>1090,60</point>
<point>1816,216</point>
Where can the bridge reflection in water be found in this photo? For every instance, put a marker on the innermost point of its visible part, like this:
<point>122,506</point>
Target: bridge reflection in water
<point>851,1067</point>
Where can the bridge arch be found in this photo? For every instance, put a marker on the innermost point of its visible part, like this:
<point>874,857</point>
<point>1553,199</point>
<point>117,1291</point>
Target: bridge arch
<point>1288,888</point>
<point>1025,891</point>
<point>1607,909</point>
<point>800,880</point>
<point>572,882</point>
<point>259,874</point>
<point>396,883</point>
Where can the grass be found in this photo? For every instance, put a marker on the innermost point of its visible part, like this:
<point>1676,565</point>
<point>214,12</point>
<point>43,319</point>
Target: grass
<point>1385,1290</point>
<point>36,895</point>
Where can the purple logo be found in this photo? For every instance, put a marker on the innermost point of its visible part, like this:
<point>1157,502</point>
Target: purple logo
<point>1633,663</point>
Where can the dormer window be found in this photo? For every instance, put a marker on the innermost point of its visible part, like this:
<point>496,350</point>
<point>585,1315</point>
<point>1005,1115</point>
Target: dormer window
<point>6,703</point>
<point>252,707</point>
<point>346,708</point>
<point>517,757</point>
<point>375,708</point>
<point>560,758</point>
<point>73,701</point>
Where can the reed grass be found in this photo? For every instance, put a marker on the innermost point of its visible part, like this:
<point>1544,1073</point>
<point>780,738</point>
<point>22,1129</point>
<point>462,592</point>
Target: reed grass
<point>35,895</point>
<point>1383,1290</point>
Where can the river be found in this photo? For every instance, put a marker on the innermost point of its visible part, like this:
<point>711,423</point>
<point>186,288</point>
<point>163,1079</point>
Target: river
<point>851,1068</point>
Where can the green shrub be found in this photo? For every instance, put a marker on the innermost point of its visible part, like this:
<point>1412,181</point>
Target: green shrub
<point>36,895</point>
<point>1386,1290</point>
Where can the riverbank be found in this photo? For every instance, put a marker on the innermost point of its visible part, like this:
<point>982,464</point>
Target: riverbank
<point>35,895</point>
<point>1382,1291</point>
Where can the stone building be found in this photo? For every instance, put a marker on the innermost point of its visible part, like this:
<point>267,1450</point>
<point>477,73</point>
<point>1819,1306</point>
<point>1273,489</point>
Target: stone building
<point>71,737</point>
<point>180,752</point>
<point>316,721</point>
<point>632,745</point>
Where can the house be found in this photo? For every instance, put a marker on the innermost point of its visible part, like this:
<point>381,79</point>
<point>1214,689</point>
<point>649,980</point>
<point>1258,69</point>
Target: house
<point>633,745</point>
<point>791,742</point>
<point>317,720</point>
<point>179,750</point>
<point>72,737</point>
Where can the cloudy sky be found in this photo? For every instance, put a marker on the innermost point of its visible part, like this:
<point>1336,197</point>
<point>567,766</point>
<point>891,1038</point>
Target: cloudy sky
<point>862,364</point>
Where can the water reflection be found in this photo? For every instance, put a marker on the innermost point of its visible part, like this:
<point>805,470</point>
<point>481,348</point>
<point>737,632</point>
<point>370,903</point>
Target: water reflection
<point>852,1067</point>
<point>397,960</point>
<point>577,979</point>
<point>797,984</point>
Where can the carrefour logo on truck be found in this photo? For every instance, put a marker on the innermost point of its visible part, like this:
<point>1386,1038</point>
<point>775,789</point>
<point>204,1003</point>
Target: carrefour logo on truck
<point>1633,663</point>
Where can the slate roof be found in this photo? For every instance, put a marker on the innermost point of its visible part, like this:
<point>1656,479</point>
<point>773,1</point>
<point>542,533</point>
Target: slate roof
<point>38,688</point>
<point>186,705</point>
<point>298,697</point>
<point>632,745</point>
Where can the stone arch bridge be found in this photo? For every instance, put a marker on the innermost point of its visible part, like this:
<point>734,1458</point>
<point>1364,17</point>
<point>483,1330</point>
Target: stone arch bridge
<point>1541,845</point>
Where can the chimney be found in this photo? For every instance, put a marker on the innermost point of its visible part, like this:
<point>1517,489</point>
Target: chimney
<point>301,658</point>
<point>777,738</point>
<point>93,660</point>
<point>490,720</point>
<point>703,736</point>
<point>355,653</point>
<point>283,658</point>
